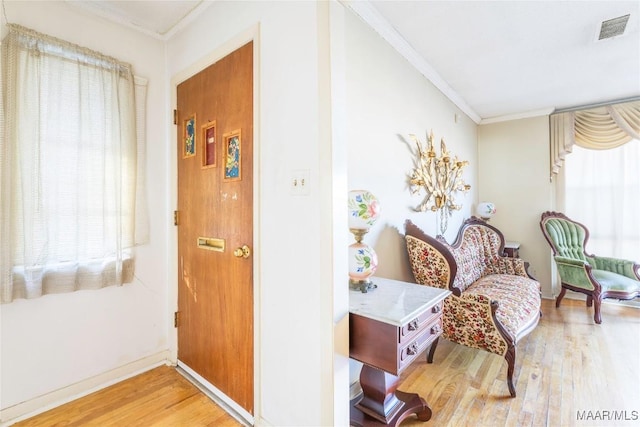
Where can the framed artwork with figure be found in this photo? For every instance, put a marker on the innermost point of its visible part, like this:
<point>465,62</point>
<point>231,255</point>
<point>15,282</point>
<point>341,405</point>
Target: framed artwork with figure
<point>189,137</point>
<point>232,155</point>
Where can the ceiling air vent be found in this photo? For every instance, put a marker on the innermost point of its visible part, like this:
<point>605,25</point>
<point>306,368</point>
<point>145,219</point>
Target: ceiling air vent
<point>613,27</point>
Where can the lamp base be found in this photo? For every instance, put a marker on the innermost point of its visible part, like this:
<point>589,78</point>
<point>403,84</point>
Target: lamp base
<point>363,285</point>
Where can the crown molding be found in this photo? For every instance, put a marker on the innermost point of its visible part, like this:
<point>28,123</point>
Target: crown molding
<point>97,9</point>
<point>517,116</point>
<point>597,104</point>
<point>186,20</point>
<point>370,15</point>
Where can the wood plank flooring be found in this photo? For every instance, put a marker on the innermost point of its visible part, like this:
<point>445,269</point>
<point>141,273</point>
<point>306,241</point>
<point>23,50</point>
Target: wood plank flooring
<point>160,397</point>
<point>566,367</point>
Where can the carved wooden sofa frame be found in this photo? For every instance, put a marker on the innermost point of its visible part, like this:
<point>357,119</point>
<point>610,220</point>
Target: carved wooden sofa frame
<point>494,301</point>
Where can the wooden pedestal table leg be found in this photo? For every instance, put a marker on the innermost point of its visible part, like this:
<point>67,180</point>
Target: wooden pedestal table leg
<point>382,404</point>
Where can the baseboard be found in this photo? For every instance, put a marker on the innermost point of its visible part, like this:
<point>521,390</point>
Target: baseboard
<point>221,399</point>
<point>40,404</point>
<point>577,296</point>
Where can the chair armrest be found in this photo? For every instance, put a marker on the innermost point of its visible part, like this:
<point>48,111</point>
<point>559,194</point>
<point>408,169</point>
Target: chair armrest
<point>470,320</point>
<point>570,261</point>
<point>574,272</point>
<point>623,267</point>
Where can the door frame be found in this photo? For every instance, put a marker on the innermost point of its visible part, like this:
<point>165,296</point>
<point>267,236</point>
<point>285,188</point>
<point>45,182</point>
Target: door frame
<point>219,52</point>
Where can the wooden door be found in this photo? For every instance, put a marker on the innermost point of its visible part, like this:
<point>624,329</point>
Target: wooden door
<point>215,218</point>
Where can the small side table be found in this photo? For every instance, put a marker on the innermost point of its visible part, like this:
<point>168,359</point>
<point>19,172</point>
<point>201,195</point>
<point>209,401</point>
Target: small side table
<point>511,249</point>
<point>388,328</point>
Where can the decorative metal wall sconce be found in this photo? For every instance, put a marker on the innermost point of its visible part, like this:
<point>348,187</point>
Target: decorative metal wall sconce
<point>440,177</point>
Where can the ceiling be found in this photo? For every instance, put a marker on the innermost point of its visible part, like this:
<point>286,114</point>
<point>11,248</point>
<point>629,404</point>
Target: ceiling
<point>494,59</point>
<point>160,19</point>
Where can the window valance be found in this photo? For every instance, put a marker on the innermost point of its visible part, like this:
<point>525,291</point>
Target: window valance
<point>600,128</point>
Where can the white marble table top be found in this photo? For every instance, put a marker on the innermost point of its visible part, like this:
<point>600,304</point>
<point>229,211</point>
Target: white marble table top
<point>394,302</point>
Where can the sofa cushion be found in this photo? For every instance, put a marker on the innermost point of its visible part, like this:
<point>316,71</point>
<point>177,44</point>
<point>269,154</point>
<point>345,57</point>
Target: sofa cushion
<point>477,253</point>
<point>518,300</point>
<point>615,282</point>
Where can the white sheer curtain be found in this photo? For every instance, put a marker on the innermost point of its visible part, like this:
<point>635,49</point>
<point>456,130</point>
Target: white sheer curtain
<point>602,191</point>
<point>70,190</point>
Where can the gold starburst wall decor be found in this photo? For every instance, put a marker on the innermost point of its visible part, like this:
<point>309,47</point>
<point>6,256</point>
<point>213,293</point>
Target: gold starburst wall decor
<point>440,177</point>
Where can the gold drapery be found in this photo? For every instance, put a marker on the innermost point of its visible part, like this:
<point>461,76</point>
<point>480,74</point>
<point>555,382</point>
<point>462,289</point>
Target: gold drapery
<point>599,128</point>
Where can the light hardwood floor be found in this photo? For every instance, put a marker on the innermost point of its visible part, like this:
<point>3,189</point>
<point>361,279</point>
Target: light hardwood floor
<point>160,397</point>
<point>566,366</point>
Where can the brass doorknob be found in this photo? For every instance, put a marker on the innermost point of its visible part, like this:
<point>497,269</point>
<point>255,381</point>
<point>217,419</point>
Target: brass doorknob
<point>243,252</point>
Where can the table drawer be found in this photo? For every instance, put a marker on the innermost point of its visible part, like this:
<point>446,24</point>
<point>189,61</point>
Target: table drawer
<point>419,343</point>
<point>409,331</point>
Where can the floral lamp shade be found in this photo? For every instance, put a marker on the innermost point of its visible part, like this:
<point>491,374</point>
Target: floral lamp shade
<point>364,210</point>
<point>486,210</point>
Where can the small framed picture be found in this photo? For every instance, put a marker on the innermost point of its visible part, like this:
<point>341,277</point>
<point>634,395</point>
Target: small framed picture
<point>233,156</point>
<point>190,136</point>
<point>209,144</point>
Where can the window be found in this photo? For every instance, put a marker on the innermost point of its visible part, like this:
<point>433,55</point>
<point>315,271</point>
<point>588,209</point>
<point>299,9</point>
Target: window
<point>602,191</point>
<point>600,149</point>
<point>71,183</point>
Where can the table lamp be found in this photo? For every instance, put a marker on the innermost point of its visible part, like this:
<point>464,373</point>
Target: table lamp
<point>364,211</point>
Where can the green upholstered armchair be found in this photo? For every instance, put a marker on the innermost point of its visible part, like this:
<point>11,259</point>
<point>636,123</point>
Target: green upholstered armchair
<point>597,277</point>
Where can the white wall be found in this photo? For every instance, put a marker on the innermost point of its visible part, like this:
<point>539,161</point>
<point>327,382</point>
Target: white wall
<point>385,98</point>
<point>54,342</point>
<point>293,248</point>
<point>316,65</point>
<point>514,174</point>
<point>388,100</point>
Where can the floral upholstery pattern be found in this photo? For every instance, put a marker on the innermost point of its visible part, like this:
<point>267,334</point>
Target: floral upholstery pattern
<point>478,255</point>
<point>483,276</point>
<point>467,320</point>
<point>518,300</point>
<point>506,265</point>
<point>493,303</point>
<point>428,264</point>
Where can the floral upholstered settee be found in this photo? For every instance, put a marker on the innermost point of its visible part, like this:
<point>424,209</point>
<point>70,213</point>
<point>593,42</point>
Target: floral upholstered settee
<point>494,302</point>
